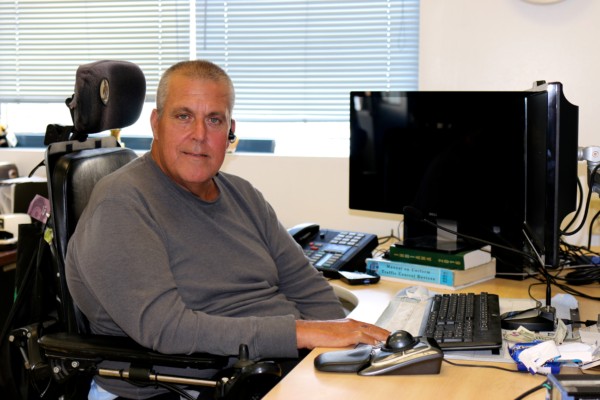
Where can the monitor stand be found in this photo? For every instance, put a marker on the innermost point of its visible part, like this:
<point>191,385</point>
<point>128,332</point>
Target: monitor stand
<point>429,238</point>
<point>433,244</point>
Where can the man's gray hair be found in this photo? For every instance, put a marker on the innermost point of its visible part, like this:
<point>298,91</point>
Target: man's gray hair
<point>196,69</point>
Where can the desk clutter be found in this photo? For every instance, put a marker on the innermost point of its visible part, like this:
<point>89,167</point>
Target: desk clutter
<point>409,312</point>
<point>536,352</point>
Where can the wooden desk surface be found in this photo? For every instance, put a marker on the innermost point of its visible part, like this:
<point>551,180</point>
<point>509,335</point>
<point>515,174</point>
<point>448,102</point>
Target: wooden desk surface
<point>453,382</point>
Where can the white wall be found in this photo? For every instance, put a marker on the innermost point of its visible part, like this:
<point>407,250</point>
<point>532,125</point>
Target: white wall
<point>465,45</point>
<point>509,44</point>
<point>309,190</point>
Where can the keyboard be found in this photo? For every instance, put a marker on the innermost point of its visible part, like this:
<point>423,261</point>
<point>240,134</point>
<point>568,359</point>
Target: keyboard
<point>465,321</point>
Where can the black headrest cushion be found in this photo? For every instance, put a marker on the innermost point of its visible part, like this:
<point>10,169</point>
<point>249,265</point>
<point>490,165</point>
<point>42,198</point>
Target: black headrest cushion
<point>108,95</point>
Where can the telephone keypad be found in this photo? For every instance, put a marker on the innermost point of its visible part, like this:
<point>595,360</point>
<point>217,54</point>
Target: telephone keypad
<point>325,255</point>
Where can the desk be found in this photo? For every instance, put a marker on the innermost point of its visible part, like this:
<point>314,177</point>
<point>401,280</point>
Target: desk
<point>304,382</point>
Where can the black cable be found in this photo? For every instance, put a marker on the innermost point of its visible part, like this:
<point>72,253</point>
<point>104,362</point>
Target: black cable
<point>565,288</point>
<point>384,239</point>
<point>583,276</point>
<point>579,206</point>
<point>481,366</point>
<point>177,390</point>
<point>584,265</point>
<point>533,390</point>
<point>574,254</point>
<point>417,215</point>
<point>587,204</point>
<point>522,396</point>
<point>168,386</point>
<point>40,164</point>
<point>590,231</point>
<point>22,292</point>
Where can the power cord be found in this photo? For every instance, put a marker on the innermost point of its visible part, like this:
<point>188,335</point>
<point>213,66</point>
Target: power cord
<point>385,239</point>
<point>586,208</point>
<point>545,385</point>
<point>480,366</point>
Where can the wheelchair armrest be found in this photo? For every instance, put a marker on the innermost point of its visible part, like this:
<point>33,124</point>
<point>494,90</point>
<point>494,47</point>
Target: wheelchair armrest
<point>117,348</point>
<point>69,354</point>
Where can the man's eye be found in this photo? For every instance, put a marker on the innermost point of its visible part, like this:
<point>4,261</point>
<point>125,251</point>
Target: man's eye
<point>183,117</point>
<point>214,121</point>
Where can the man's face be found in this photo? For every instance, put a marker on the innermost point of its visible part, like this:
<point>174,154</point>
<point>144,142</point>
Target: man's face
<point>191,135</point>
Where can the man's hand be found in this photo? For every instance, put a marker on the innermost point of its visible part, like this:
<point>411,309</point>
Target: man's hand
<point>337,333</point>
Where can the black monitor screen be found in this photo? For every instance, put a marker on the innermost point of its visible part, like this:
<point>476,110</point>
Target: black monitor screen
<point>453,156</point>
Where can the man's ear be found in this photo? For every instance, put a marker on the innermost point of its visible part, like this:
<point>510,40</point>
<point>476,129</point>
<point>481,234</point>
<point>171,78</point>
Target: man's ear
<point>154,123</point>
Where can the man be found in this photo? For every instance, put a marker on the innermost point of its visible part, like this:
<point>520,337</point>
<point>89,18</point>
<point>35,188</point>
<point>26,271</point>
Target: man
<point>183,258</point>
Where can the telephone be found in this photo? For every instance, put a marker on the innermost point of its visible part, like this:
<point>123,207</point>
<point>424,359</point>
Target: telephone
<point>331,251</point>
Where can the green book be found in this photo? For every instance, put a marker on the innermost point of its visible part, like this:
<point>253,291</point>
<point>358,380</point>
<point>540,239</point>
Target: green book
<point>458,261</point>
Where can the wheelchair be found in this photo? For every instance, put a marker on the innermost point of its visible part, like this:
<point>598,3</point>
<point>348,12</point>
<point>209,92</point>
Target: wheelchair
<point>50,350</point>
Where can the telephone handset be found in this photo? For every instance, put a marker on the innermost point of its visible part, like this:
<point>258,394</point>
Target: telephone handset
<point>331,251</point>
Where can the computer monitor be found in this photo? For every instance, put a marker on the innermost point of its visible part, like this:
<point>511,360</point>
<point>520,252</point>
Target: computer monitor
<point>551,170</point>
<point>492,165</point>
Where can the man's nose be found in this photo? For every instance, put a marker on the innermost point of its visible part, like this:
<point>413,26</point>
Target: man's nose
<point>199,131</point>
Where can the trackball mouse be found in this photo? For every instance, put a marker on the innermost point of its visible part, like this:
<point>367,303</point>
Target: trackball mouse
<point>399,341</point>
<point>404,354</point>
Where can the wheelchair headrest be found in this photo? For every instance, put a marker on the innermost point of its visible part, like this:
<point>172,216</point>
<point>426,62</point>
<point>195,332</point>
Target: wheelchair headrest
<point>108,95</point>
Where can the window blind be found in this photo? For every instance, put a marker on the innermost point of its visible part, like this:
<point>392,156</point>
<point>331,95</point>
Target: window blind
<point>297,60</point>
<point>43,42</point>
<point>290,60</point>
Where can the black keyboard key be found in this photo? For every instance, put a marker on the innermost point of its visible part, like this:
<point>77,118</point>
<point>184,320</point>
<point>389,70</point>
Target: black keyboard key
<point>461,321</point>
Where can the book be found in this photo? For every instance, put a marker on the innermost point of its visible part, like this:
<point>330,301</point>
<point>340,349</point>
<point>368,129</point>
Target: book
<point>460,261</point>
<point>437,277</point>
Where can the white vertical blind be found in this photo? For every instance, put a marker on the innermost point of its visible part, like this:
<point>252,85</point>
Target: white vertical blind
<point>291,60</point>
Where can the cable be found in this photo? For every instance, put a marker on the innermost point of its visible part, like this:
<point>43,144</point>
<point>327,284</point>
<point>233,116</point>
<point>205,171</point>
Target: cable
<point>40,164</point>
<point>534,389</point>
<point>480,366</point>
<point>583,276</point>
<point>168,386</point>
<point>590,231</point>
<point>543,385</point>
<point>585,265</point>
<point>587,204</point>
<point>417,215</point>
<point>384,239</point>
<point>579,206</point>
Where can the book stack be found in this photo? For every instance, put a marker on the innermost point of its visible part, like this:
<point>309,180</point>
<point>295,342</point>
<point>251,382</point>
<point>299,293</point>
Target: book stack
<point>436,269</point>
